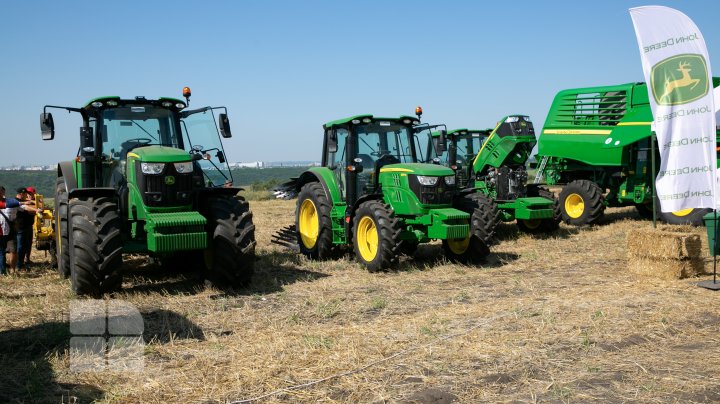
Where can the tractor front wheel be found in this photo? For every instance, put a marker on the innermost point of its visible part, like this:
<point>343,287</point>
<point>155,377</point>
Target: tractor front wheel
<point>470,250</point>
<point>376,236</point>
<point>312,222</point>
<point>96,252</point>
<point>62,253</point>
<point>484,216</point>
<point>230,256</point>
<point>582,202</point>
<point>535,226</point>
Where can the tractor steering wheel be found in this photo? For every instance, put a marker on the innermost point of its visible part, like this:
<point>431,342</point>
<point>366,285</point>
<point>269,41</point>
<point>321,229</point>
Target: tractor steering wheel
<point>131,144</point>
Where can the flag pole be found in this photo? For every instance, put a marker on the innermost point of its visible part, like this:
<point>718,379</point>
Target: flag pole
<point>653,174</point>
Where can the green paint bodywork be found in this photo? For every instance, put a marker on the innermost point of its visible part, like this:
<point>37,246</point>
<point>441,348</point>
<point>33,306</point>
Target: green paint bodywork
<point>495,152</point>
<point>601,134</point>
<point>160,230</point>
<point>420,222</point>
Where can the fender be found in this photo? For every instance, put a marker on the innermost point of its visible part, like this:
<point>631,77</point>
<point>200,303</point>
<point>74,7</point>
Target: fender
<point>326,178</point>
<point>66,171</point>
<point>364,198</point>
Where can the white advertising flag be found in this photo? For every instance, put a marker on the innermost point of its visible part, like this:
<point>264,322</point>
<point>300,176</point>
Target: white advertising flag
<point>678,76</point>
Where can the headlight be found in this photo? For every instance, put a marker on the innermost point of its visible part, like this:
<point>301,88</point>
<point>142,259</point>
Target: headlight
<point>184,168</point>
<point>427,181</point>
<point>450,180</point>
<point>152,168</point>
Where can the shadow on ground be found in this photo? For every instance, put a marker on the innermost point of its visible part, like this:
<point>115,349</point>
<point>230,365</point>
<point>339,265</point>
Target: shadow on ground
<point>273,270</point>
<point>25,355</point>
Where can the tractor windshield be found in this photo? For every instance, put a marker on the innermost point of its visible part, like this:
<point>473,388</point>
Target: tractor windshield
<point>468,145</point>
<point>201,137</point>
<point>384,140</point>
<point>126,128</point>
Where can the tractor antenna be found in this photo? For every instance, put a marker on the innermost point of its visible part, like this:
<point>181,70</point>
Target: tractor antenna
<point>187,93</point>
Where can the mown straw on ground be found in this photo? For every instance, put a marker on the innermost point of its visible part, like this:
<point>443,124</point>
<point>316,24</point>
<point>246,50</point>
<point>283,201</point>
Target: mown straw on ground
<point>555,318</point>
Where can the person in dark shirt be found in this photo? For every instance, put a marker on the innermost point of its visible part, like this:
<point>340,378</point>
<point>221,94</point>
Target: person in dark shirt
<point>7,209</point>
<point>25,214</point>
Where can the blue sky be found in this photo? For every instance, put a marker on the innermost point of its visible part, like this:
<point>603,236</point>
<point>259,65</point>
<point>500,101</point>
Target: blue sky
<point>283,68</point>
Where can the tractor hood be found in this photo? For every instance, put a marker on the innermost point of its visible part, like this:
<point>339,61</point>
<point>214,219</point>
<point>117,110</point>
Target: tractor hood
<point>159,154</point>
<point>419,169</point>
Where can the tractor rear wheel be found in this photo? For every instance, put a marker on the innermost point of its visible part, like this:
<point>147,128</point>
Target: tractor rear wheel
<point>376,236</point>
<point>582,202</point>
<point>96,252</point>
<point>484,216</point>
<point>230,256</point>
<point>312,222</point>
<point>542,225</point>
<point>62,245</point>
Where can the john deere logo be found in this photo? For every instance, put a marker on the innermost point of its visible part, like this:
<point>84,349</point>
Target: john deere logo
<point>169,180</point>
<point>679,79</point>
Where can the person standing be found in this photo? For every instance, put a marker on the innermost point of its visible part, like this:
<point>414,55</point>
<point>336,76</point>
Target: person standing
<point>29,227</point>
<point>8,206</point>
<point>25,214</point>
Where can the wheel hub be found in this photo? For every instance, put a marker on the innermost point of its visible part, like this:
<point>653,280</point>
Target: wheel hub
<point>308,223</point>
<point>574,205</point>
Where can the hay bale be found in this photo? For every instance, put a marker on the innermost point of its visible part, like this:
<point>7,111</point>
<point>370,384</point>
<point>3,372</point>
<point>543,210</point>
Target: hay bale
<point>665,268</point>
<point>664,242</point>
<point>666,252</point>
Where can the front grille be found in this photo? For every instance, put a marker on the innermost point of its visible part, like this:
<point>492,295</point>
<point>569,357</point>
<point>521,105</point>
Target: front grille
<point>438,194</point>
<point>159,191</point>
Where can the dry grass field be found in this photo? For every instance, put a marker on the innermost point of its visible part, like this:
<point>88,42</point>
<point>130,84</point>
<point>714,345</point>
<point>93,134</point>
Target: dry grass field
<point>554,318</point>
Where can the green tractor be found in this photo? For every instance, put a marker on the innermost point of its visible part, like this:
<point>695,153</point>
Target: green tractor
<point>597,143</point>
<point>373,194</point>
<point>150,177</point>
<point>492,179</point>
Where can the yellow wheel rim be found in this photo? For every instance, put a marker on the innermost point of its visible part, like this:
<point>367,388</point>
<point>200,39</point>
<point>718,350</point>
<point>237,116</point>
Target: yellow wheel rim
<point>308,223</point>
<point>532,224</point>
<point>683,212</point>
<point>367,239</point>
<point>574,205</point>
<point>459,245</point>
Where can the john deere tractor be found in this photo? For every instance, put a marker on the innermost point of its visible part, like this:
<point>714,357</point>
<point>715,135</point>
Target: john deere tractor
<point>371,193</point>
<point>150,177</point>
<point>492,179</point>
<point>596,142</point>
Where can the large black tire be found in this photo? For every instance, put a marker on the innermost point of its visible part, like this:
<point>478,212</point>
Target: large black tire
<point>582,202</point>
<point>644,210</point>
<point>230,257</point>
<point>96,252</point>
<point>312,222</point>
<point>693,216</point>
<point>484,216</point>
<point>61,228</point>
<point>542,225</point>
<point>376,236</point>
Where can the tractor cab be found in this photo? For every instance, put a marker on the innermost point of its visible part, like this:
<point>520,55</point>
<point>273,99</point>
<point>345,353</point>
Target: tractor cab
<point>357,149</point>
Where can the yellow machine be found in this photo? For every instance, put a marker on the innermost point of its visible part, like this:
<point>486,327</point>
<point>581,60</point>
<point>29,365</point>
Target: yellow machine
<point>44,228</point>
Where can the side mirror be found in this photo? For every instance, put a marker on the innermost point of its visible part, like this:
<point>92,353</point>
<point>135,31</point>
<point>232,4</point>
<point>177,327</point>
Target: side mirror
<point>220,156</point>
<point>440,142</point>
<point>47,126</point>
<point>224,126</point>
<point>332,145</point>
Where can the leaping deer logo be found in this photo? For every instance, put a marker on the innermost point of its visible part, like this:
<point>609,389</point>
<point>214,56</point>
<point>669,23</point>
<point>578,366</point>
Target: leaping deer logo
<point>684,81</point>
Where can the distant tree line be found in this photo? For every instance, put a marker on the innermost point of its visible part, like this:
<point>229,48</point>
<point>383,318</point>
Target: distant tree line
<point>44,181</point>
